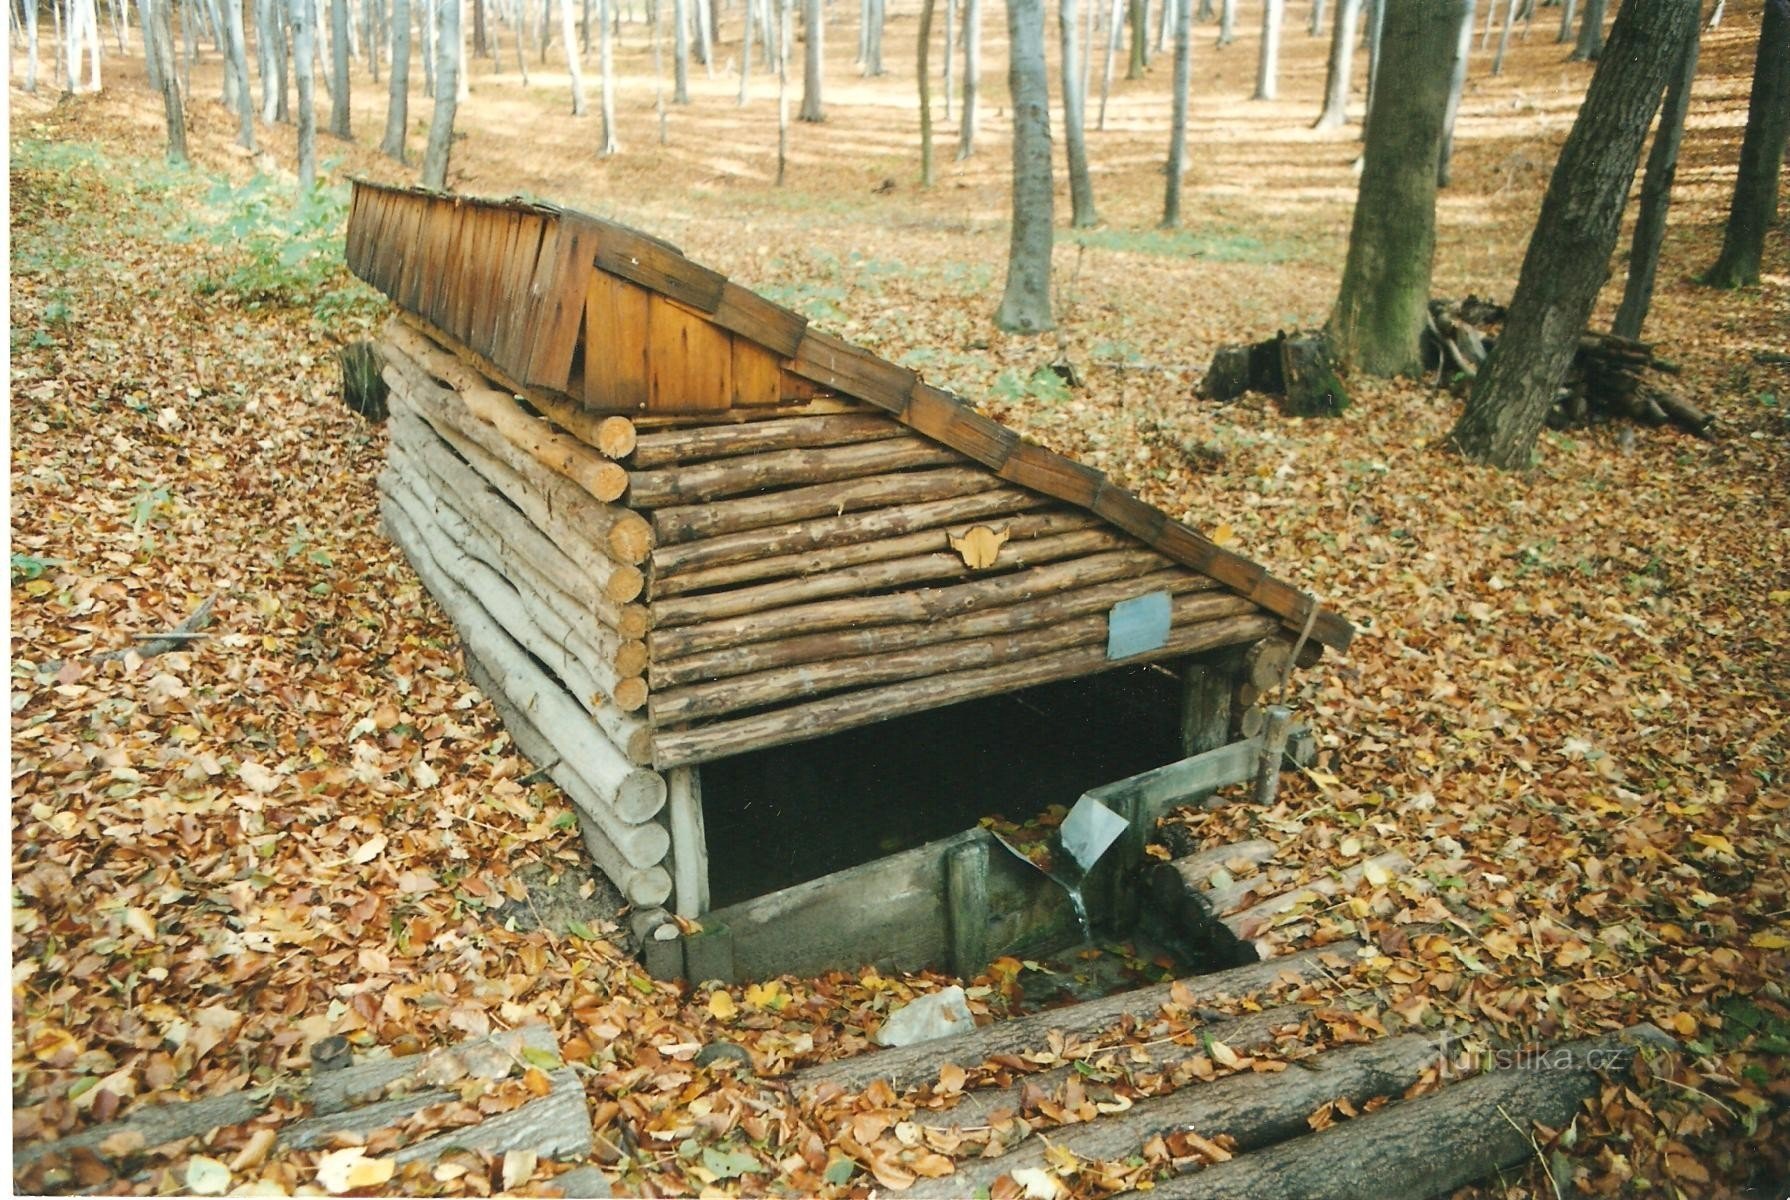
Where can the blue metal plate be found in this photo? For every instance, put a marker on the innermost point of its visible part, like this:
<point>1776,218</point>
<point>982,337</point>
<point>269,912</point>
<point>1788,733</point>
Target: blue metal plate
<point>1138,625</point>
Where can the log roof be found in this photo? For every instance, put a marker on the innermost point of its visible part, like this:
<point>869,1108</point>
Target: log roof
<point>561,302</point>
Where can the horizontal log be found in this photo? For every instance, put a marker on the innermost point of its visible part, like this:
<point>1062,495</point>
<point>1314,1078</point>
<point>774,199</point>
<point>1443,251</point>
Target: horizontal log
<point>922,604</point>
<point>722,478</point>
<point>813,562</point>
<point>1197,870</point>
<point>560,453</point>
<point>845,643</point>
<point>853,709</point>
<point>904,1067</point>
<point>559,511</point>
<point>1252,1110</point>
<point>824,532</point>
<point>580,746</point>
<point>1252,922</point>
<point>1482,1123</point>
<point>614,531</point>
<point>705,700</point>
<point>687,522</point>
<point>880,576</point>
<point>673,446</point>
<point>593,678</point>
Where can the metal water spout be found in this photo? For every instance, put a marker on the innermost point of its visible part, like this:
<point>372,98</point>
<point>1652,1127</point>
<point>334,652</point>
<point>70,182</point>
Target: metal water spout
<point>1086,834</point>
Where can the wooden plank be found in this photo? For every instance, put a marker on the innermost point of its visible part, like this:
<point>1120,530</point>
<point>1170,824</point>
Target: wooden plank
<point>690,360</point>
<point>758,320</point>
<point>722,478</point>
<point>617,341</point>
<point>839,365</point>
<point>1115,504</point>
<point>941,416</point>
<point>674,447</point>
<point>558,301</point>
<point>1155,792</point>
<point>757,374</point>
<point>1048,472</point>
<point>658,267</point>
<point>1206,686</point>
<point>689,522</point>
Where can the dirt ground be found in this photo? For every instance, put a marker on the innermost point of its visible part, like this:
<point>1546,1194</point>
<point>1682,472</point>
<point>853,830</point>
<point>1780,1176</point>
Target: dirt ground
<point>1567,702</point>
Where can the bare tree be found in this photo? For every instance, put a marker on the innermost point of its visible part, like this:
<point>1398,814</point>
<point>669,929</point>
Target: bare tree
<point>1656,197</point>
<point>1081,188</point>
<point>239,63</point>
<point>447,97</point>
<point>304,64</point>
<point>160,31</point>
<point>338,50</point>
<point>814,32</point>
<point>950,52</point>
<point>568,30</point>
<point>1457,83</point>
<point>785,16</point>
<point>873,37</point>
<point>31,46</point>
<point>972,76</point>
<point>1177,137</point>
<point>1510,12</point>
<point>1381,306</point>
<point>1267,71</point>
<point>606,67</point>
<point>1025,303</point>
<point>1139,20</point>
<point>1227,21</point>
<point>1113,25</point>
<point>1569,254</point>
<point>1315,27</point>
<point>1376,22</point>
<point>1342,64</point>
<point>1755,201</point>
<point>1568,9</point>
<point>746,56</point>
<point>1591,34</point>
<point>925,73</point>
<point>680,52</point>
<point>397,112</point>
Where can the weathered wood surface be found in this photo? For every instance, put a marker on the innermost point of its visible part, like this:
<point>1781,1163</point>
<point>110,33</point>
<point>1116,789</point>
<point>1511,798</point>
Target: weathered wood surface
<point>907,1066</point>
<point>689,842</point>
<point>722,478</point>
<point>676,446</point>
<point>848,711</point>
<point>1484,1123</point>
<point>1253,1110</point>
<point>706,700</point>
<point>1157,790</point>
<point>683,523</point>
<point>727,661</point>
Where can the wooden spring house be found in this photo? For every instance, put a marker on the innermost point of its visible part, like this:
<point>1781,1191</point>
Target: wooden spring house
<point>680,530</point>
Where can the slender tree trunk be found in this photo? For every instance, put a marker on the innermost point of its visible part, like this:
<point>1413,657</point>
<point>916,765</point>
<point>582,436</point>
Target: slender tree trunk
<point>1081,188</point>
<point>1510,12</point>
<point>606,64</point>
<point>680,52</point>
<point>656,9</point>
<point>950,63</point>
<point>1457,83</point>
<point>1316,26</point>
<point>1656,197</point>
<point>1177,138</point>
<point>338,47</point>
<point>239,59</point>
<point>873,39</point>
<point>447,97</point>
<point>58,56</point>
<point>1591,34</point>
<point>521,40</point>
<point>814,29</point>
<point>705,35</point>
<point>90,21</point>
<point>318,48</point>
<point>426,25</point>
<point>864,18</point>
<point>1227,22</point>
<point>375,37</point>
<point>972,76</point>
<point>1569,254</point>
<point>785,17</point>
<point>283,68</point>
<point>1025,303</point>
<point>1755,203</point>
<point>1376,22</point>
<point>568,30</point>
<point>162,25</point>
<point>1715,16</point>
<point>1267,71</point>
<point>746,56</point>
<point>1342,64</point>
<point>1380,309</point>
<point>462,74</point>
<point>397,112</point>
<point>1165,25</point>
<point>1113,25</point>
<point>924,69</point>
<point>1139,57</point>
<point>304,67</point>
<point>31,46</point>
<point>1568,8</point>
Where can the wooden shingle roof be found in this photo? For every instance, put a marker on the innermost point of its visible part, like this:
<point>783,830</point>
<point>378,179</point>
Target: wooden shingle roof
<point>558,301</point>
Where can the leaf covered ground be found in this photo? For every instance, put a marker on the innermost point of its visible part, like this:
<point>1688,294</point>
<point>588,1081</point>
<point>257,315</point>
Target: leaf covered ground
<point>1568,703</point>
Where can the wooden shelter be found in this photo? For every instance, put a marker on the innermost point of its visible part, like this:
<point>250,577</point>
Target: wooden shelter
<point>676,526</point>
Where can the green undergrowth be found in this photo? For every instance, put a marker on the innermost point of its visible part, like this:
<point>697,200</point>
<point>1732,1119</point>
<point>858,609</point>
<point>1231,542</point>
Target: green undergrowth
<point>1213,245</point>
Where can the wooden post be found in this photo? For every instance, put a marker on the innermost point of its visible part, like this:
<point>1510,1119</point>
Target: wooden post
<point>966,899</point>
<point>1123,860</point>
<point>1274,746</point>
<point>1206,685</point>
<point>689,843</point>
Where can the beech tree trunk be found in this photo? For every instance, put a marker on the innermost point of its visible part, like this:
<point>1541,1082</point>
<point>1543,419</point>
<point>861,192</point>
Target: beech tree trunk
<point>1568,9</point>
<point>1139,20</point>
<point>1177,137</point>
<point>606,67</point>
<point>950,53</point>
<point>1376,22</point>
<point>568,30</point>
<point>1341,66</point>
<point>1081,189</point>
<point>1025,304</point>
<point>397,112</point>
<point>31,46</point>
<point>925,73</point>
<point>303,56</point>
<point>785,16</point>
<point>972,76</point>
<point>873,37</point>
<point>338,52</point>
<point>746,56</point>
<point>1591,34</point>
<point>814,31</point>
<point>163,26</point>
<point>1267,70</point>
<point>1227,21</point>
<point>1656,197</point>
<point>680,52</point>
<point>239,58</point>
<point>447,97</point>
<point>1569,254</point>
<point>1114,22</point>
<point>1510,12</point>
<point>1380,309</point>
<point>1755,202</point>
<point>1457,83</point>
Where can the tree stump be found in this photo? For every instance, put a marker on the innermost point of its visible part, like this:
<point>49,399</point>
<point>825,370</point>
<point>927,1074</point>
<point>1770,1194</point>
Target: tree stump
<point>363,382</point>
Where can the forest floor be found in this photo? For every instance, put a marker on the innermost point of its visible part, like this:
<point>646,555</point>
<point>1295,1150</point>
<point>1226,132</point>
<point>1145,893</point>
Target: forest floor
<point>1572,678</point>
